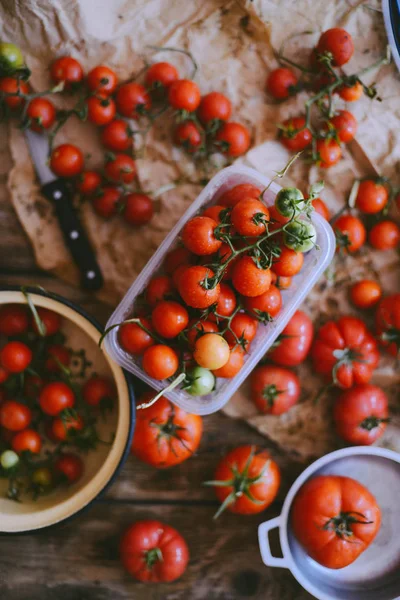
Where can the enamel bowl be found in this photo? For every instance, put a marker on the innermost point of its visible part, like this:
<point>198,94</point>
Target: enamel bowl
<point>101,464</point>
<point>375,574</point>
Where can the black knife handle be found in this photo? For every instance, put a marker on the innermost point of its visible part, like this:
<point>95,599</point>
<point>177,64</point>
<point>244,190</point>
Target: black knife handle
<point>74,235</point>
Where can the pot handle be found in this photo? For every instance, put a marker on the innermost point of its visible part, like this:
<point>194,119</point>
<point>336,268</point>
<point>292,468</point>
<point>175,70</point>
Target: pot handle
<point>263,540</point>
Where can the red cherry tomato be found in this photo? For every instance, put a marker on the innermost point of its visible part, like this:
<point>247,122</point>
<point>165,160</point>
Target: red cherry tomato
<point>4,375</point>
<point>233,139</point>
<point>88,183</point>
<point>27,440</point>
<point>239,192</point>
<point>321,208</point>
<point>193,287</point>
<point>69,467</point>
<point>266,306</point>
<point>250,217</point>
<point>15,357</point>
<point>226,303</point>
<point>243,329</point>
<point>214,107</point>
<point>289,263</point>
<point>121,169</point>
<point>214,212</point>
<point>372,196</point>
<point>51,321</point>
<point>9,85</point>
<point>105,203</point>
<point>56,397</point>
<point>281,83</point>
<point>58,356</point>
<point>329,153</point>
<point>132,100</point>
<point>351,93</point>
<point>188,135</point>
<point>153,551</point>
<point>338,44</point>
<point>234,364</point>
<point>198,236</point>
<point>41,113</point>
<point>102,79</point>
<point>184,94</point>
<point>14,415</point>
<point>134,339</point>
<point>66,161</point>
<point>68,70</point>
<point>282,283</point>
<point>350,233</point>
<point>294,135</point>
<point>169,318</point>
<point>388,323</point>
<point>62,428</point>
<point>344,124</point>
<point>196,329</point>
<point>160,362</point>
<point>161,74</point>
<point>293,344</point>
<point>274,390</point>
<point>385,235</point>
<point>248,279</point>
<point>101,109</point>
<point>361,414</point>
<point>159,289</point>
<point>138,208</point>
<point>365,293</point>
<point>13,319</point>
<point>98,390</point>
<point>176,258</point>
<point>117,136</point>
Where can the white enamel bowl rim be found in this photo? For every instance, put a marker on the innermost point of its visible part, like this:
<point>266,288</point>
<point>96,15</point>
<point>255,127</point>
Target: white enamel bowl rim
<point>118,450</point>
<point>281,521</point>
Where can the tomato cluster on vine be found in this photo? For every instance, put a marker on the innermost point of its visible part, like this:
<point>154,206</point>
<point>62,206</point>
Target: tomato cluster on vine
<point>48,408</point>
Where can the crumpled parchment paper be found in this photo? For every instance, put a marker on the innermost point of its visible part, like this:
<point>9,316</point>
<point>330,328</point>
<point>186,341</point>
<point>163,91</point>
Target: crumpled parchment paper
<point>234,44</point>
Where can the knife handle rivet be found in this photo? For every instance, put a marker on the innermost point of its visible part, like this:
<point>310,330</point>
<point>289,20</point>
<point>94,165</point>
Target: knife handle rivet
<point>57,195</point>
<point>91,274</point>
<point>74,235</point>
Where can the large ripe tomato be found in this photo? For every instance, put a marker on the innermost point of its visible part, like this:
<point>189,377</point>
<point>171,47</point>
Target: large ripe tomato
<point>41,114</point>
<point>335,518</point>
<point>160,361</point>
<point>273,389</point>
<point>385,235</point>
<point>153,551</point>
<point>56,397</point>
<point>289,262</point>
<point>161,74</point>
<point>250,217</point>
<point>117,136</point>
<point>252,481</point>
<point>68,70</point>
<point>165,435</point>
<point>294,135</point>
<point>13,319</point>
<point>337,44</point>
<point>239,192</point>
<point>14,415</point>
<point>345,352</point>
<point>105,202</point>
<point>214,107</point>
<point>233,139</point>
<point>329,153</point>
<point>350,233</point>
<point>372,196</point>
<point>121,168</point>
<point>198,236</point>
<point>101,109</point>
<point>132,100</point>
<point>27,440</point>
<point>10,85</point>
<point>102,80</point>
<point>248,279</point>
<point>138,208</point>
<point>184,94</point>
<point>388,323</point>
<point>169,318</point>
<point>194,287</point>
<point>344,124</point>
<point>294,343</point>
<point>266,306</point>
<point>365,293</point>
<point>134,339</point>
<point>281,83</point>
<point>361,414</point>
<point>15,357</point>
<point>66,161</point>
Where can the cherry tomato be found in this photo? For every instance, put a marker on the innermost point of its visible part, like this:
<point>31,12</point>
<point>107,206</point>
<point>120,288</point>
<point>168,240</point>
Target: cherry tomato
<point>289,202</point>
<point>344,124</point>
<point>350,233</point>
<point>198,236</point>
<point>234,364</point>
<point>239,192</point>
<point>56,397</point>
<point>15,357</point>
<point>184,94</point>
<point>294,135</point>
<point>281,83</point>
<point>282,283</point>
<point>226,303</point>
<point>233,139</point>
<point>102,79</point>
<point>274,390</point>
<point>58,355</point>
<point>351,93</point>
<point>385,235</point>
<point>321,208</point>
<point>14,415</point>
<point>169,318</point>
<point>165,435</point>
<point>329,153</point>
<point>13,319</point>
<point>9,85</point>
<point>252,480</point>
<point>68,70</point>
<point>214,212</point>
<point>372,196</point>
<point>42,478</point>
<point>345,352</point>
<point>250,217</point>
<point>365,293</point>
<point>300,236</point>
<point>361,414</point>
<point>99,391</point>
<point>159,289</point>
<point>63,427</point>
<point>188,135</point>
<point>211,351</point>
<point>132,100</point>
<point>161,74</point>
<point>338,44</point>
<point>117,136</point>
<point>289,262</point>
<point>66,161</point>
<point>335,519</point>
<point>105,203</point>
<point>88,183</point>
<point>196,329</point>
<point>121,168</point>
<point>193,287</point>
<point>160,362</point>
<point>248,279</point>
<point>266,306</point>
<point>388,323</point>
<point>133,338</point>
<point>214,107</point>
<point>51,321</point>
<point>69,466</point>
<point>293,344</point>
<point>27,440</point>
<point>41,114</point>
<point>176,258</point>
<point>101,109</point>
<point>11,57</point>
<point>242,328</point>
<point>4,375</point>
<point>138,209</point>
<point>153,551</point>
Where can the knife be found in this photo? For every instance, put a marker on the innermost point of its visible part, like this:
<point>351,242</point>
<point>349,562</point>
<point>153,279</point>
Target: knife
<point>57,191</point>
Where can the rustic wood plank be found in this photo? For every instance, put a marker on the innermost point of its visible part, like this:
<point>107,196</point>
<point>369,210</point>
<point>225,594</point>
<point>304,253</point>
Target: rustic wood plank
<point>15,250</point>
<point>79,561</point>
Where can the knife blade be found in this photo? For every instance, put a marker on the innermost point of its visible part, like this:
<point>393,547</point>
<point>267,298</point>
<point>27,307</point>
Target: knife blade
<point>58,192</point>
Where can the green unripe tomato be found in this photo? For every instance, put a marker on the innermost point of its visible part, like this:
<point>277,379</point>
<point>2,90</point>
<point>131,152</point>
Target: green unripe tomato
<point>11,58</point>
<point>42,477</point>
<point>289,202</point>
<point>300,236</point>
<point>9,459</point>
<point>199,381</point>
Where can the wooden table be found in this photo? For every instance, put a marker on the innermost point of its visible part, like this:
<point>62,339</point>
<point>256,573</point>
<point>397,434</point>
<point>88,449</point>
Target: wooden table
<point>79,560</point>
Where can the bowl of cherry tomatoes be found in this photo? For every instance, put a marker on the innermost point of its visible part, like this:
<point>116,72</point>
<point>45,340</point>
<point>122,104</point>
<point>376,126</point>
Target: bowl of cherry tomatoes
<point>220,288</point>
<point>66,411</point>
<point>337,529</point>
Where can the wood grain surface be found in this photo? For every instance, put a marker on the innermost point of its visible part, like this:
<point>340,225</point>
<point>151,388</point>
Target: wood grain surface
<point>79,560</point>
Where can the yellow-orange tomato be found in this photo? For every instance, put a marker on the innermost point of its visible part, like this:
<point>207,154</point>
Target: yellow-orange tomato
<point>211,351</point>
<point>365,293</point>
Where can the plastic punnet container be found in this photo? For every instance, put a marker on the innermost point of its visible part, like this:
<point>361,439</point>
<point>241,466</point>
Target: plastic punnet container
<point>315,263</point>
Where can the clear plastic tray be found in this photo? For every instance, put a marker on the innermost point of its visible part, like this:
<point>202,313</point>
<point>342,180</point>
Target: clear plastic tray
<point>315,263</point>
